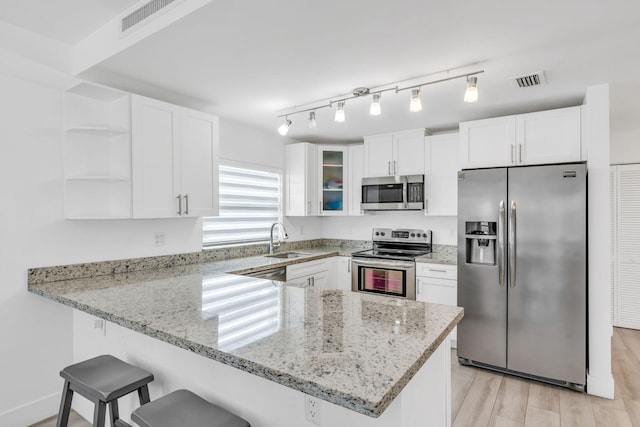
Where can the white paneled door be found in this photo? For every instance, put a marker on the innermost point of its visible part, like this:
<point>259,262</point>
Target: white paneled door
<point>626,277</point>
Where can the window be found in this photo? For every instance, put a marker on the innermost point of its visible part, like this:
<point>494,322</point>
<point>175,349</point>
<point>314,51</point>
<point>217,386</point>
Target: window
<point>249,204</point>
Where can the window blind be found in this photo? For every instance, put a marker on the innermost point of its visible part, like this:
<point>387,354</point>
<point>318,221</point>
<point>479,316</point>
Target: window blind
<point>249,204</point>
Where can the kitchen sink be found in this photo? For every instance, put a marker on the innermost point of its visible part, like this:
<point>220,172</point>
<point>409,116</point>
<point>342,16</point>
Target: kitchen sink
<point>286,255</point>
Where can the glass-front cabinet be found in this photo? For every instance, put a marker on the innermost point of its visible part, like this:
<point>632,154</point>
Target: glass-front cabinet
<point>332,176</point>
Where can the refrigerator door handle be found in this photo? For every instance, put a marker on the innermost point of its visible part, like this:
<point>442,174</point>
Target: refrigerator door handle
<point>512,245</point>
<point>501,251</point>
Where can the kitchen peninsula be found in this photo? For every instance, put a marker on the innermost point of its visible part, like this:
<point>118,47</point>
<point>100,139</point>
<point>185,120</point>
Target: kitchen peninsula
<point>260,348</point>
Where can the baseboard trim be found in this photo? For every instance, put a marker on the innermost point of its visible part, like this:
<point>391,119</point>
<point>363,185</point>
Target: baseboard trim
<point>31,412</point>
<point>601,386</point>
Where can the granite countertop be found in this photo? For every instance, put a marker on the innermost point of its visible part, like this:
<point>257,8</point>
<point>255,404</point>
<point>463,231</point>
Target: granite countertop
<point>352,349</point>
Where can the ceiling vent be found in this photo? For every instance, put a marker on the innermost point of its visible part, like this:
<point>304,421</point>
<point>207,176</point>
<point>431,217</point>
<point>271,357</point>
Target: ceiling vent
<point>144,13</point>
<point>528,80</point>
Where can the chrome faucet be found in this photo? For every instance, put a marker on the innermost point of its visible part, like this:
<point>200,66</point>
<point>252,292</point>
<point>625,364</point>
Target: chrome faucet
<point>276,245</point>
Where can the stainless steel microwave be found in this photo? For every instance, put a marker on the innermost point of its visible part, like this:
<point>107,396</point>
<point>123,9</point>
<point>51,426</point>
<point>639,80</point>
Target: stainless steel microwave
<point>391,193</point>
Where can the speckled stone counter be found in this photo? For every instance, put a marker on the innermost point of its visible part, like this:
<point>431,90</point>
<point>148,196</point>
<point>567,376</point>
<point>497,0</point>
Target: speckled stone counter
<point>442,254</point>
<point>355,350</point>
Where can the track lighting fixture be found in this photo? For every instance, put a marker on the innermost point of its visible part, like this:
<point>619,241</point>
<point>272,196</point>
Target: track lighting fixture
<point>284,127</point>
<point>471,94</point>
<point>312,120</point>
<point>339,116</point>
<point>415,103</point>
<point>375,109</point>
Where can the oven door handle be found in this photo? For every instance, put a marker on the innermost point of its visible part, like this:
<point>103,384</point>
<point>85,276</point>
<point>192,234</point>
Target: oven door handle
<point>369,262</point>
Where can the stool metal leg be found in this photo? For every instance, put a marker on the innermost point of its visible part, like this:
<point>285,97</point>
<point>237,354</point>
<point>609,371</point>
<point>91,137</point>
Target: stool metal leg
<point>99,413</point>
<point>65,406</point>
<point>115,414</point>
<point>143,394</point>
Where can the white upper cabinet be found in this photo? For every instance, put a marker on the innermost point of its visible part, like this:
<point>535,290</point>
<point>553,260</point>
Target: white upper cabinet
<point>356,172</point>
<point>199,163</point>
<point>408,155</point>
<point>175,160</point>
<point>552,136</point>
<point>489,142</point>
<point>126,156</point>
<point>301,178</point>
<point>333,179</point>
<point>399,153</point>
<point>441,175</point>
<point>378,155</point>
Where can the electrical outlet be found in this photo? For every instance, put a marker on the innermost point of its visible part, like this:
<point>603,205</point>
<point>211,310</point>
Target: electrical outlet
<point>313,410</point>
<point>159,238</point>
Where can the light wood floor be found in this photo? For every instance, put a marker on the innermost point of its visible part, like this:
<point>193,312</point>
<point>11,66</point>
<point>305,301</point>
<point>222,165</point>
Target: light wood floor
<point>482,398</point>
<point>485,399</point>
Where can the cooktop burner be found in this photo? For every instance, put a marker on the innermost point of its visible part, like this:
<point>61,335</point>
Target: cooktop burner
<point>402,244</point>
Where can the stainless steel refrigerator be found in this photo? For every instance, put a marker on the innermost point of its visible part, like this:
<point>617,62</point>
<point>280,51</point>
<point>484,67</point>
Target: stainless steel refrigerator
<point>522,271</point>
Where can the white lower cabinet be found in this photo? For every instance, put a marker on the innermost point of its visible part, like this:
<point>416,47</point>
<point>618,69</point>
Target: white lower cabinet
<point>341,273</point>
<point>312,273</point>
<point>438,284</point>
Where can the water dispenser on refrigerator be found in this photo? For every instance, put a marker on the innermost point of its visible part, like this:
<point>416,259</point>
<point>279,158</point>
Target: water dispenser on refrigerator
<point>480,237</point>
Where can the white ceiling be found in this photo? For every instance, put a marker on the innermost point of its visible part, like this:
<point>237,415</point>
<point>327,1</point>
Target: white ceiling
<point>251,60</point>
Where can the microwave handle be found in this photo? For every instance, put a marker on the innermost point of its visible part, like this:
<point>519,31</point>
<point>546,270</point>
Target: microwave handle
<point>405,187</point>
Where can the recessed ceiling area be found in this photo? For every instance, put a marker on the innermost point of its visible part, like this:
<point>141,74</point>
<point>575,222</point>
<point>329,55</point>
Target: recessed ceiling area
<point>251,61</point>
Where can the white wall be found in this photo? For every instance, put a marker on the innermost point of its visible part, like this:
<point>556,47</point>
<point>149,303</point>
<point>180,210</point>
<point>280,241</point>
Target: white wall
<point>625,146</point>
<point>359,227</point>
<point>599,378</point>
<point>36,333</point>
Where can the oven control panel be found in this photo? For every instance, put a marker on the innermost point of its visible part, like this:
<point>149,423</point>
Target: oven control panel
<point>407,235</point>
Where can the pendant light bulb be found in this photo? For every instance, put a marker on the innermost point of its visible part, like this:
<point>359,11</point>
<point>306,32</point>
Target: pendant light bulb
<point>339,116</point>
<point>312,120</point>
<point>284,127</point>
<point>415,105</point>
<point>375,109</point>
<point>471,94</point>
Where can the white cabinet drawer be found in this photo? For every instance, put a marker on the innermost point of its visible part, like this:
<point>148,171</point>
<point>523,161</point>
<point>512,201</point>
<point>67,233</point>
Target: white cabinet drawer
<point>306,268</point>
<point>441,271</point>
<point>437,291</point>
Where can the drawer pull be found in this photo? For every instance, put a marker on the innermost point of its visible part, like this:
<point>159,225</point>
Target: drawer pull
<point>437,271</point>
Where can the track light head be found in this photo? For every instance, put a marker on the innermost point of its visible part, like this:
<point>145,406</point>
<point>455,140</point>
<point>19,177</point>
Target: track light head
<point>375,109</point>
<point>471,94</point>
<point>312,120</point>
<point>415,104</point>
<point>284,127</point>
<point>339,116</point>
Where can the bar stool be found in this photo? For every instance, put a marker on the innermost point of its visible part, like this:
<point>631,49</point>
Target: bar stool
<point>102,380</point>
<point>185,409</point>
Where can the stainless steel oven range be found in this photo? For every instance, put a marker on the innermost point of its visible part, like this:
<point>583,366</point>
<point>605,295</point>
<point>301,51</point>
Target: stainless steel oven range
<point>390,268</point>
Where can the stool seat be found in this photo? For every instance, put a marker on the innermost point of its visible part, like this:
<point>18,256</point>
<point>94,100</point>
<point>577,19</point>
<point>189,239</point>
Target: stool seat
<point>185,409</point>
<point>105,378</point>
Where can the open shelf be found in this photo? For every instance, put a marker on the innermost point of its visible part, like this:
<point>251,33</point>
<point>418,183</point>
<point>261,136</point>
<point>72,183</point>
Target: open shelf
<point>101,93</point>
<point>98,178</point>
<point>97,153</point>
<point>98,131</point>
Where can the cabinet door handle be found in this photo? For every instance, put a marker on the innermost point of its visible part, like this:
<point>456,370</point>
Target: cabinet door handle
<point>394,168</point>
<point>179,204</point>
<point>186,204</point>
<point>389,166</point>
<point>512,160</point>
<point>309,208</point>
<point>319,207</point>
<point>349,266</point>
<point>520,152</point>
<point>313,282</point>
